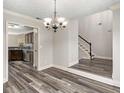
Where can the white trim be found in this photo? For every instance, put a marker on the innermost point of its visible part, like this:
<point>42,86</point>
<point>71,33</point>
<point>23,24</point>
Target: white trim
<point>84,58</point>
<point>109,58</point>
<point>106,80</point>
<point>73,63</point>
<point>45,67</point>
<point>6,52</point>
<point>5,80</point>
<point>35,62</point>
<point>39,49</point>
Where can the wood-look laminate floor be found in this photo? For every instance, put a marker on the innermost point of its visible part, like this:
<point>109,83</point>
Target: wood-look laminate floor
<point>97,66</point>
<point>24,79</point>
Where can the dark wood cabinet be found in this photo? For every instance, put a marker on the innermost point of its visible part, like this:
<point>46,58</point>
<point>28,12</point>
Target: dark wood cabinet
<point>15,55</point>
<point>29,38</point>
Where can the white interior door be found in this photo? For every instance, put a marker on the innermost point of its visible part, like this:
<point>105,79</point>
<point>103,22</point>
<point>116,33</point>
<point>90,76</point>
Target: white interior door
<point>35,48</point>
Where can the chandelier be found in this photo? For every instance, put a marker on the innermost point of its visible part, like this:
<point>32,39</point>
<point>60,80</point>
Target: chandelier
<point>55,23</point>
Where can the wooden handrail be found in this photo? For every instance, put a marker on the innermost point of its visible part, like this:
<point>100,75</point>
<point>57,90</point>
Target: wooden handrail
<point>87,43</point>
<point>84,39</point>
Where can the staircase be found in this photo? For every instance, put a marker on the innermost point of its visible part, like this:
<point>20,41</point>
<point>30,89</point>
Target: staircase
<point>85,47</point>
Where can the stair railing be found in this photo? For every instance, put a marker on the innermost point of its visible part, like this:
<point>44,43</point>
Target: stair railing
<point>89,43</point>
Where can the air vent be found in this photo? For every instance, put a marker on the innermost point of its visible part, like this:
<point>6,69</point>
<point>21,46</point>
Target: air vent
<point>38,18</point>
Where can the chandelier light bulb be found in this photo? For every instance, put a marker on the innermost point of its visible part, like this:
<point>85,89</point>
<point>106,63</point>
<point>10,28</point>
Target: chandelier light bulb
<point>61,19</point>
<point>10,26</point>
<point>45,23</point>
<point>65,23</point>
<point>48,20</point>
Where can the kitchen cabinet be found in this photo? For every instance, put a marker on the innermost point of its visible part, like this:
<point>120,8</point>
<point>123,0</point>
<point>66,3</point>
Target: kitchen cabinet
<point>29,38</point>
<point>15,55</point>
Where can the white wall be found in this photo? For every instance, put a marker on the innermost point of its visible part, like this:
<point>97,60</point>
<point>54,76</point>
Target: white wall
<point>116,44</point>
<point>5,64</point>
<point>73,42</point>
<point>13,40</point>
<point>46,48</point>
<point>66,45</point>
<point>61,48</point>
<point>99,35</point>
<point>45,39</point>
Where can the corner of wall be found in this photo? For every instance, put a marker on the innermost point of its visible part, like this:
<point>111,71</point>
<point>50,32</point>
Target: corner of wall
<point>72,63</point>
<point>45,67</point>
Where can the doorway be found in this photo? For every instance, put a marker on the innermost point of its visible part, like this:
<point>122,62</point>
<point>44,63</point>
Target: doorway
<point>22,45</point>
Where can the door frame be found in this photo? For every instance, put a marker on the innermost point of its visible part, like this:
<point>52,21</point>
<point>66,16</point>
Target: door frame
<point>35,63</point>
<point>6,44</point>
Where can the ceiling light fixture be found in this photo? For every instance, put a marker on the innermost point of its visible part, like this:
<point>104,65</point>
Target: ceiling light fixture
<point>14,26</point>
<point>56,23</point>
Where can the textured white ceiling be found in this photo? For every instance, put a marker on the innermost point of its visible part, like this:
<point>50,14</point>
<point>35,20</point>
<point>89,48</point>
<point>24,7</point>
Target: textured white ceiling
<point>20,30</point>
<point>66,8</point>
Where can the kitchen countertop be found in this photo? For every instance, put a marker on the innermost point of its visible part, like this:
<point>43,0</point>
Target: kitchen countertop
<point>20,48</point>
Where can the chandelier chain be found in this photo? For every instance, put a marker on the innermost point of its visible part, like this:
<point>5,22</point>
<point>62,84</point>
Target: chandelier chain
<point>55,9</point>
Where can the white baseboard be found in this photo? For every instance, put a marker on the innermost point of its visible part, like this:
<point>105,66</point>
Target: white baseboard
<point>5,80</point>
<point>73,63</point>
<point>106,80</point>
<point>84,58</point>
<point>109,58</point>
<point>45,67</point>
